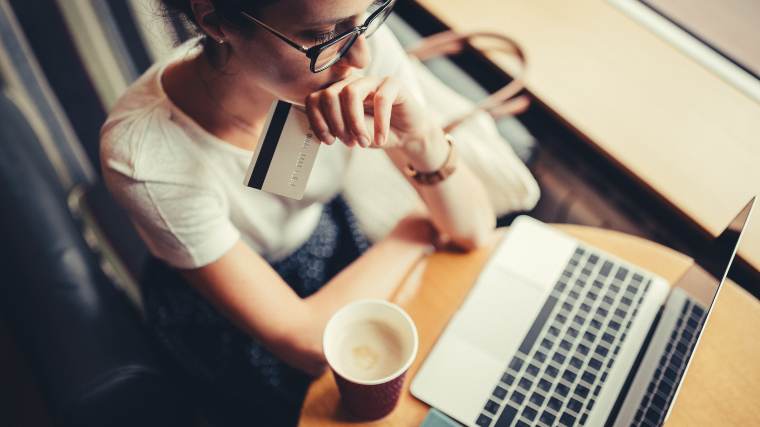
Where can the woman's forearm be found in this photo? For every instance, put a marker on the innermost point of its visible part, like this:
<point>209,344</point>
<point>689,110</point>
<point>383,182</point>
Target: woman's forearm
<point>375,274</point>
<point>458,205</point>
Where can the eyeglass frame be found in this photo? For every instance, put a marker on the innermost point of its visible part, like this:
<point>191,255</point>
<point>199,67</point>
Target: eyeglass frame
<point>313,52</point>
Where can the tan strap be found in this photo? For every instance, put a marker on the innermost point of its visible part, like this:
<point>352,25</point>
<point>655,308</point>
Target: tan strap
<point>504,101</point>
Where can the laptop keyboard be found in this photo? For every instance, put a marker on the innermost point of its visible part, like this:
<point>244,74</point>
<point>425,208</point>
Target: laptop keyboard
<point>564,359</point>
<point>671,366</point>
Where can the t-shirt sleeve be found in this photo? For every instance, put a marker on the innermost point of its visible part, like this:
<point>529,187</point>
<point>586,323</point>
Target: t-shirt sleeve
<point>183,224</point>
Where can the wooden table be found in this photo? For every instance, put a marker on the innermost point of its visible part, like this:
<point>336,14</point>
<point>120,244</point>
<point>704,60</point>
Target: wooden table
<point>660,116</point>
<point>723,381</point>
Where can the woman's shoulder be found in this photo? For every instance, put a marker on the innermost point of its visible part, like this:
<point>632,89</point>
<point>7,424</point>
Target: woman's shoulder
<point>140,133</point>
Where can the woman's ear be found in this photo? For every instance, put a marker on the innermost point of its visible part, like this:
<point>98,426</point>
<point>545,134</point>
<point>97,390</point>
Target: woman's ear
<point>207,19</point>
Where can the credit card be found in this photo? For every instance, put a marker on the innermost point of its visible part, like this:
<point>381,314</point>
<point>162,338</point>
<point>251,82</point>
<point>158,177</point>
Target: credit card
<point>285,153</point>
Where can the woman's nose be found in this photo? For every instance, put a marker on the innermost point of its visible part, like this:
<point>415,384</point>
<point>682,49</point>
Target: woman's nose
<point>358,56</point>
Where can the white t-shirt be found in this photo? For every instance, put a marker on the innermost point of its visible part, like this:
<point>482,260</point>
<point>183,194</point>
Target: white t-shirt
<point>183,187</point>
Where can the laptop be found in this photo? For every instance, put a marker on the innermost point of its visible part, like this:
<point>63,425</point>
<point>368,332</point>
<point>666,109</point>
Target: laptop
<point>558,332</point>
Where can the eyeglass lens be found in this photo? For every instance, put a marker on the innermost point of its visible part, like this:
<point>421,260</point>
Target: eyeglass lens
<point>335,51</point>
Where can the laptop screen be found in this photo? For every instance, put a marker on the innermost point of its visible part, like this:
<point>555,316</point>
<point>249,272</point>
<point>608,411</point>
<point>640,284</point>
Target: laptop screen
<point>703,280</point>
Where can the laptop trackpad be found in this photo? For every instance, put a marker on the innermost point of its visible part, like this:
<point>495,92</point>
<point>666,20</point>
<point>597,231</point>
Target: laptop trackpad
<point>497,316</point>
<point>486,331</point>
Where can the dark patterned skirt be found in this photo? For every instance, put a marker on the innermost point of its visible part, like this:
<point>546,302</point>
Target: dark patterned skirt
<point>232,376</point>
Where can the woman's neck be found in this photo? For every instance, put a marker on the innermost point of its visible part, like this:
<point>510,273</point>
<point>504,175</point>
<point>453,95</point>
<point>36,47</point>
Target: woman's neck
<point>224,103</point>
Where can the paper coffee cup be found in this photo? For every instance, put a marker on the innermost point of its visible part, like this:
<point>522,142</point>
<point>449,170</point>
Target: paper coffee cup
<point>369,345</point>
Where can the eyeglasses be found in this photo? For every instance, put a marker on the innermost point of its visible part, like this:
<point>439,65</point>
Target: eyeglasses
<point>325,54</point>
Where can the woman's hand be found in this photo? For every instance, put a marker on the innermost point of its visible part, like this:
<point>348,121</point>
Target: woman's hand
<point>339,111</point>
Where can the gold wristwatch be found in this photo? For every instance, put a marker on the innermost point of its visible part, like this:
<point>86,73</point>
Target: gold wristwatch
<point>436,176</point>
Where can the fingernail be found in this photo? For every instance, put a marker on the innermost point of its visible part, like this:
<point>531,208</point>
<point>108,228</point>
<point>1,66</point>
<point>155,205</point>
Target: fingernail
<point>363,141</point>
<point>379,140</point>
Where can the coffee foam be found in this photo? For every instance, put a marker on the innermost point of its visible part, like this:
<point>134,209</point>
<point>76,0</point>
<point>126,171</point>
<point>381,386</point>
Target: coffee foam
<point>369,350</point>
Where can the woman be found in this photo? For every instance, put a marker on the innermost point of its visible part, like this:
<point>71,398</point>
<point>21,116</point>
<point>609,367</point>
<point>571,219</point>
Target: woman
<point>242,282</point>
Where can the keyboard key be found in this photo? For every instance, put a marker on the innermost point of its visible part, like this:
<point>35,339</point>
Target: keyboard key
<point>508,379</point>
<point>699,311</point>
<point>602,311</point>
<point>575,362</point>
<point>588,377</point>
<point>554,403</point>
<point>671,374</point>
<point>573,295</point>
<point>483,421</point>
<point>521,423</point>
<point>589,336</point>
<point>596,322</point>
<point>608,338</point>
<point>582,421</point>
<point>608,299</point>
<point>529,413</point>
<point>562,390</point>
<point>637,277</point>
<point>499,392</point>
<point>652,415</point>
<point>626,301</point>
<point>571,331</point>
<point>516,364</point>
<point>492,407</point>
<point>553,331</point>
<point>561,318</point>
<point>595,363</point>
<point>597,390</point>
<point>590,404</point>
<point>539,356</point>
<point>569,375</point>
<point>565,344</point>
<point>620,312</point>
<point>592,259</point>
<point>574,405</point>
<point>517,397</point>
<point>567,306</point>
<point>581,390</point>
<point>525,383</point>
<point>614,325</point>
<point>592,296</point>
<point>551,371</point>
<point>547,418</point>
<point>537,399</point>
<point>532,370</point>
<point>606,268</point>
<point>506,417</point>
<point>567,420</point>
<point>559,358</point>
<point>544,385</point>
<point>546,343</point>
<point>621,273</point>
<point>585,307</point>
<point>582,349</point>
<point>659,402</point>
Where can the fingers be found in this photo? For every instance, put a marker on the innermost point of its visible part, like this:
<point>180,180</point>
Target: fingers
<point>352,107</point>
<point>383,100</point>
<point>317,120</point>
<point>339,110</point>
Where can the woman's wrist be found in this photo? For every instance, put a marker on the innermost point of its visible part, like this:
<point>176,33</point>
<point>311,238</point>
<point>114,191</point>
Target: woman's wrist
<point>427,151</point>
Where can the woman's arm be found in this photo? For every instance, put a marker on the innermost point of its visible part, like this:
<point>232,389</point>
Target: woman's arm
<point>244,287</point>
<point>458,205</point>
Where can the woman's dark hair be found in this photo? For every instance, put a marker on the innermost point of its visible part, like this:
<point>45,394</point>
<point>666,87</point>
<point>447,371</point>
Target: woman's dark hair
<point>181,17</point>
